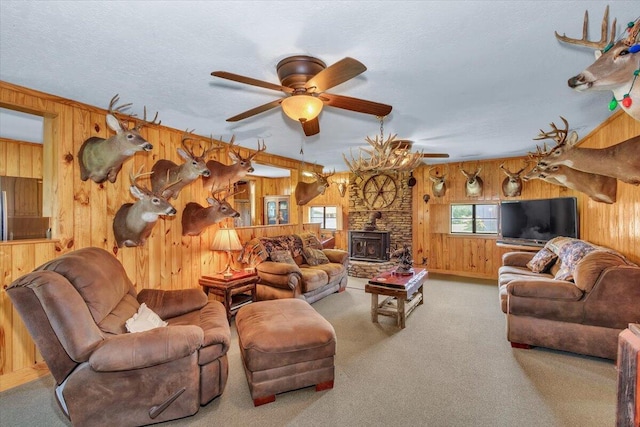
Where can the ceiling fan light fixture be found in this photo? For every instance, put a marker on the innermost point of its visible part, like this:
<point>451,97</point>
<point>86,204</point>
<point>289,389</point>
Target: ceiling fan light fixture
<point>302,108</point>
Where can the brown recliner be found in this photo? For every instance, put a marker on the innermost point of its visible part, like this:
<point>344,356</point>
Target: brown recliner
<point>75,308</point>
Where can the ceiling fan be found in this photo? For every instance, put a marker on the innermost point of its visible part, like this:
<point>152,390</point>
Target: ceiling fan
<point>304,79</point>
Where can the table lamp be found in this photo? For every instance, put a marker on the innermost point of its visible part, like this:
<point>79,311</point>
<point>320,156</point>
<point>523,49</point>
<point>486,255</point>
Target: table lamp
<point>226,239</point>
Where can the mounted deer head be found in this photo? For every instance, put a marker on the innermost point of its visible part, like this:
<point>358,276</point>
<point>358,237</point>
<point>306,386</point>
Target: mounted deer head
<point>599,188</point>
<point>614,66</point>
<point>512,184</point>
<point>621,161</point>
<point>306,191</point>
<point>438,185</point>
<point>223,175</point>
<point>473,186</point>
<point>196,218</point>
<point>165,171</point>
<point>101,159</point>
<point>133,222</point>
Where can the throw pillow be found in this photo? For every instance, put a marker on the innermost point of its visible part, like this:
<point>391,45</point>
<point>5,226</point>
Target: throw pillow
<point>315,257</point>
<point>144,320</point>
<point>282,256</point>
<point>253,253</point>
<point>541,262</point>
<point>310,240</point>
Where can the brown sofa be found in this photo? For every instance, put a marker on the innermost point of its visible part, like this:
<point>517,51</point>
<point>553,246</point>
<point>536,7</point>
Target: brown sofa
<point>580,300</point>
<point>297,279</point>
<point>76,308</point>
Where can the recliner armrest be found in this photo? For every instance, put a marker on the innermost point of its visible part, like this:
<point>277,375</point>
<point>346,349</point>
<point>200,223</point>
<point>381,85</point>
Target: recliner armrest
<point>140,350</point>
<point>168,304</point>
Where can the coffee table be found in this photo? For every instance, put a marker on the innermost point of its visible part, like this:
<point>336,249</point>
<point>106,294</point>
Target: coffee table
<point>399,289</point>
<point>231,289</point>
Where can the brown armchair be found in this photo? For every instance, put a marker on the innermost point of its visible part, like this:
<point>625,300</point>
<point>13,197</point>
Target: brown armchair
<point>75,308</point>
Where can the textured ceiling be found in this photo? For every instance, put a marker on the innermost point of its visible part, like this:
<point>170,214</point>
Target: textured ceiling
<point>475,79</point>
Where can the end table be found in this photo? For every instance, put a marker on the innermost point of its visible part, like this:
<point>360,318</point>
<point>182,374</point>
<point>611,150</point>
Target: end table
<point>228,288</point>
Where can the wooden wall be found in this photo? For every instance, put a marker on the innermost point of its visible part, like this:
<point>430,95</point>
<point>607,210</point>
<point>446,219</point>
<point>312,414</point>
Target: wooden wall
<point>616,226</point>
<point>82,212</point>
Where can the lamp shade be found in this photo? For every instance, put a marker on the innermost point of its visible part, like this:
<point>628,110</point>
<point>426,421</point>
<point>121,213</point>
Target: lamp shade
<point>226,239</point>
<point>301,107</point>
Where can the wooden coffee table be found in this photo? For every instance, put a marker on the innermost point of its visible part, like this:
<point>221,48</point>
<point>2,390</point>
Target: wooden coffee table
<point>398,289</point>
<point>231,289</point>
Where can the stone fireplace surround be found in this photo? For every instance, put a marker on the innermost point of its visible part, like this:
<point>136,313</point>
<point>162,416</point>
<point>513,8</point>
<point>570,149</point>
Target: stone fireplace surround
<point>396,219</point>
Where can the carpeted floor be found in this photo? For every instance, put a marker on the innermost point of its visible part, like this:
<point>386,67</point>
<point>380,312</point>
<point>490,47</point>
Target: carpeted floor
<point>451,366</point>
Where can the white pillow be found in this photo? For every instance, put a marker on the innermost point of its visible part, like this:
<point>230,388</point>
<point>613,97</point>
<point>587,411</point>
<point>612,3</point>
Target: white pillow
<point>144,320</point>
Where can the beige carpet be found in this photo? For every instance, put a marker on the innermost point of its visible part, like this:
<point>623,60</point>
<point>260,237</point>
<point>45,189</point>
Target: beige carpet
<point>451,366</point>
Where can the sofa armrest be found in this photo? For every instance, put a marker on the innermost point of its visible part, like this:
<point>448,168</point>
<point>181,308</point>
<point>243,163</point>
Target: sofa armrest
<point>338,256</point>
<point>168,304</point>
<point>544,288</point>
<point>140,350</point>
<point>615,298</point>
<point>517,259</point>
<point>279,274</point>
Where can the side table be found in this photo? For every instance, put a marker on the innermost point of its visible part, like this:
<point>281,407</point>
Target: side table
<point>231,289</point>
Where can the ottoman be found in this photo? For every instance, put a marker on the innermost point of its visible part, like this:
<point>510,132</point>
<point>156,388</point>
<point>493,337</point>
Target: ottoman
<point>285,345</point>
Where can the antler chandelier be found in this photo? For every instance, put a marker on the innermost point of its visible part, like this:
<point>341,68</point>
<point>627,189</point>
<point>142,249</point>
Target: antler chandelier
<point>390,155</point>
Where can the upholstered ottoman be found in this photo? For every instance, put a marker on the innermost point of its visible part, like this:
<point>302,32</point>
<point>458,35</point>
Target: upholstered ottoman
<point>285,345</point>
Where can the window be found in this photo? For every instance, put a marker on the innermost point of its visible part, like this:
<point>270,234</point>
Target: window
<point>474,219</point>
<point>328,217</point>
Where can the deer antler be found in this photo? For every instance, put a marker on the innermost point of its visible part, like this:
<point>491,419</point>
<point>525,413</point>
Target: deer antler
<point>584,41</point>
<point>558,135</point>
<point>144,122</point>
<point>260,149</point>
<point>134,178</point>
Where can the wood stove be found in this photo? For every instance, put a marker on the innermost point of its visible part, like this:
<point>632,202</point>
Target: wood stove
<point>369,245</point>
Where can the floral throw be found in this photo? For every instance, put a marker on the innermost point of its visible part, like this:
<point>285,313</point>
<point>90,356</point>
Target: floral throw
<point>291,243</point>
<point>570,254</point>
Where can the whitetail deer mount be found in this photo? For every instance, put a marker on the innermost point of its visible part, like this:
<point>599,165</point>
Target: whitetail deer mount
<point>196,218</point>
<point>621,161</point>
<point>599,188</point>
<point>133,222</point>
<point>101,159</point>
<point>306,191</point>
<point>165,171</point>
<point>438,184</point>
<point>224,175</point>
<point>616,62</point>
<point>512,184</point>
<point>473,186</point>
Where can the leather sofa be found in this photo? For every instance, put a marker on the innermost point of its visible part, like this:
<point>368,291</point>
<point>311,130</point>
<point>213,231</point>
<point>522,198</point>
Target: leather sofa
<point>297,279</point>
<point>76,309</point>
<point>579,299</point>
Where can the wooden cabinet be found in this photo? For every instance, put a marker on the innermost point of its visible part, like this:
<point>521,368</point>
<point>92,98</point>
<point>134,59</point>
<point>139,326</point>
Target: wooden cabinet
<point>276,210</point>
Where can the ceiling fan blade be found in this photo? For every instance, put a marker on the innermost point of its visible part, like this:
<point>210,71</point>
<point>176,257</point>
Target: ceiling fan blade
<point>256,110</point>
<point>357,105</point>
<point>333,75</point>
<point>436,155</point>
<point>250,81</point>
<point>311,127</point>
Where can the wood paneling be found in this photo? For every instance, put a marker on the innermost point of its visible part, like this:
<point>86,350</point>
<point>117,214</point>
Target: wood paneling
<point>616,226</point>
<point>82,213</point>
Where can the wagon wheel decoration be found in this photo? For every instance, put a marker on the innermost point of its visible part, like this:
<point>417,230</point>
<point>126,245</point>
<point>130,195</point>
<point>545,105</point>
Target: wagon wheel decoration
<point>380,191</point>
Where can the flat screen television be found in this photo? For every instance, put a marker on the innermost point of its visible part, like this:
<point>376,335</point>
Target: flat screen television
<point>534,222</point>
